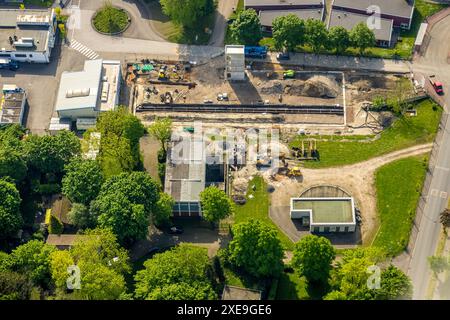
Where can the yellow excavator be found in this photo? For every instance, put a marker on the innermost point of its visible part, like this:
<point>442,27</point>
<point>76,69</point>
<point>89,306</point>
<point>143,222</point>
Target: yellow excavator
<point>294,172</point>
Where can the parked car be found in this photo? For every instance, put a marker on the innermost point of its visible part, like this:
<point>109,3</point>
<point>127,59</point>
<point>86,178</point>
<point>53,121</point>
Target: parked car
<point>175,230</point>
<point>283,56</point>
<point>436,85</point>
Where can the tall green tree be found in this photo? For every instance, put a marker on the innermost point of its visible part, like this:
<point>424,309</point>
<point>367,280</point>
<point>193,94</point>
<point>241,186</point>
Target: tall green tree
<point>355,278</point>
<point>216,205</point>
<point>313,257</point>
<point>33,259</point>
<point>10,218</point>
<point>119,145</point>
<point>187,12</point>
<point>161,130</point>
<point>164,209</point>
<point>80,216</point>
<point>317,34</point>
<point>82,181</point>
<point>339,39</point>
<point>362,37</point>
<point>125,204</point>
<point>11,136</point>
<point>168,275</point>
<point>246,29</point>
<point>288,32</point>
<point>256,248</point>
<point>49,154</point>
<point>12,164</point>
<point>395,285</point>
<point>128,220</point>
<point>102,263</point>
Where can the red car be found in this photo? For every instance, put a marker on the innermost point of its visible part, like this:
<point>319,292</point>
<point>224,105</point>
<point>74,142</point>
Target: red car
<point>438,87</point>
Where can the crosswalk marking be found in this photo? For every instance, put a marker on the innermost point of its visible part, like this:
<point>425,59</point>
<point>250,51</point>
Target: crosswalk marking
<point>89,53</point>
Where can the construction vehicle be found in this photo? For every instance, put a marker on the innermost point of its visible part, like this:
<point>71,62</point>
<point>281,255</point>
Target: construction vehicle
<point>437,85</point>
<point>9,64</point>
<point>289,74</point>
<point>294,172</point>
<point>255,52</point>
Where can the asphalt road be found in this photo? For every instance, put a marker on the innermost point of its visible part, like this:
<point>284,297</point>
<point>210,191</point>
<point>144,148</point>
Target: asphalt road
<point>225,9</point>
<point>434,62</point>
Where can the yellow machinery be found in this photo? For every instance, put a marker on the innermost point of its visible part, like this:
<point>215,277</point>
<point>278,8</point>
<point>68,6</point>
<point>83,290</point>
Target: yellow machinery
<point>294,172</point>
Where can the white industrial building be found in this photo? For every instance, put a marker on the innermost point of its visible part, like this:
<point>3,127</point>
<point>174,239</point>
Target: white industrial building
<point>323,215</point>
<point>83,95</point>
<point>27,35</point>
<point>12,105</point>
<point>235,62</point>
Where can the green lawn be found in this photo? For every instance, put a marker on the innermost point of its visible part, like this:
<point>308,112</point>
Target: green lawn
<point>111,20</point>
<point>258,208</point>
<point>177,33</point>
<point>398,190</point>
<point>402,49</point>
<point>292,286</point>
<point>404,132</point>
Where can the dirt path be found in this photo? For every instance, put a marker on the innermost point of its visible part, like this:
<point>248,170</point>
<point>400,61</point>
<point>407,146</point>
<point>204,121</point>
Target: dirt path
<point>357,179</point>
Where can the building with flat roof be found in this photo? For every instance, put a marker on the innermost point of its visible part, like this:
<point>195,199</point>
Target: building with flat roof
<point>188,172</point>
<point>400,11</point>
<point>349,20</point>
<point>325,214</point>
<point>84,94</point>
<point>235,62</point>
<point>259,5</point>
<point>185,174</point>
<point>12,105</point>
<point>27,35</point>
<point>267,16</point>
<point>268,10</point>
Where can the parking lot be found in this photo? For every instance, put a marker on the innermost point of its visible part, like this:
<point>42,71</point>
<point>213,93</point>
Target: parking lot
<point>40,82</point>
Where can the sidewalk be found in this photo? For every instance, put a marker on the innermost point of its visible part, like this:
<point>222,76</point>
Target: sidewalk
<point>344,62</point>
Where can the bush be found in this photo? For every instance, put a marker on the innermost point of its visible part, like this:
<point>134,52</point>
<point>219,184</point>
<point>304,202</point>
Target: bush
<point>55,226</point>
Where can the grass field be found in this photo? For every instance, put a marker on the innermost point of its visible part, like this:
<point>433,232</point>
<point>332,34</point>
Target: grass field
<point>258,208</point>
<point>398,187</point>
<point>405,132</point>
<point>292,286</point>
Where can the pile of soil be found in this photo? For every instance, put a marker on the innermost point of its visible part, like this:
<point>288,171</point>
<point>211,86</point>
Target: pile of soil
<point>275,87</point>
<point>316,87</point>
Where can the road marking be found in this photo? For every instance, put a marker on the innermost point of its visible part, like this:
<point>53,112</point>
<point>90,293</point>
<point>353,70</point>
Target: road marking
<point>434,192</point>
<point>444,194</point>
<point>87,52</point>
<point>442,168</point>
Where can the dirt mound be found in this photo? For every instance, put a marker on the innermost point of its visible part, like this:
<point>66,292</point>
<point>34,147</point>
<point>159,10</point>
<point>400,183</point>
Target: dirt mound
<point>272,88</point>
<point>317,87</point>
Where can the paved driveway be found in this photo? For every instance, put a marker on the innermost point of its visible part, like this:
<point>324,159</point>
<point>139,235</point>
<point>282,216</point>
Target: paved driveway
<point>41,81</point>
<point>134,43</point>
